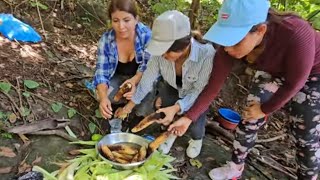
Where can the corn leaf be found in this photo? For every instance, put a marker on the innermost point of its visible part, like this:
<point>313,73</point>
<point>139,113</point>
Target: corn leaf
<point>91,152</point>
<point>120,174</point>
<point>136,176</point>
<point>45,173</point>
<point>71,170</point>
<point>70,132</point>
<point>88,166</point>
<point>90,143</point>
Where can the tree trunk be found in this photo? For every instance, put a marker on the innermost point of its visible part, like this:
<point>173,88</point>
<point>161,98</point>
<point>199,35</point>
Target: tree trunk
<point>193,12</point>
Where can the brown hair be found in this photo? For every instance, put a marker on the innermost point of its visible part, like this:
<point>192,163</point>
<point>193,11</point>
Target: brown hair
<point>181,44</point>
<point>275,16</point>
<point>129,6</point>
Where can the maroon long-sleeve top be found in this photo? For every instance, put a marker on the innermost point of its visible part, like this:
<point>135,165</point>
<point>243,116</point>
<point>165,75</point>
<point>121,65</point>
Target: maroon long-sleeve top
<point>292,51</point>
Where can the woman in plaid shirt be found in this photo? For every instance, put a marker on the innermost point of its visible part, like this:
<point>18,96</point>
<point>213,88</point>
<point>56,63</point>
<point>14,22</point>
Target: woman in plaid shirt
<point>121,54</point>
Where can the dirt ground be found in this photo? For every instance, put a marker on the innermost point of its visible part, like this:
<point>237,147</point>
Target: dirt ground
<point>62,63</point>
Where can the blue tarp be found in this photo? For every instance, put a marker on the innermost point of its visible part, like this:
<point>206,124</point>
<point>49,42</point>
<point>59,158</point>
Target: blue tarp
<point>13,28</point>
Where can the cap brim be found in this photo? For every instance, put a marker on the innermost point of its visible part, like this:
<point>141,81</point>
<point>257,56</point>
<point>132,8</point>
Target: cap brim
<point>226,36</point>
<point>157,48</point>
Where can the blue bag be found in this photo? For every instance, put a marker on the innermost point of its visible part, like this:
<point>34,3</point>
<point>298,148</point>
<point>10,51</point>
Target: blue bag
<point>13,28</point>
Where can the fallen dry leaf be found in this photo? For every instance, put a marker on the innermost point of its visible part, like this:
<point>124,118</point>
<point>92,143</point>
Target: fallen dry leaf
<point>62,165</point>
<point>37,160</point>
<point>74,152</point>
<point>179,148</point>
<point>195,163</point>
<point>69,85</point>
<point>12,118</point>
<point>7,152</point>
<point>24,138</point>
<point>24,167</point>
<point>5,170</point>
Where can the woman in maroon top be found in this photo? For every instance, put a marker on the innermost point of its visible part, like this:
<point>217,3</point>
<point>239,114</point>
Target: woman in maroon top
<point>286,52</point>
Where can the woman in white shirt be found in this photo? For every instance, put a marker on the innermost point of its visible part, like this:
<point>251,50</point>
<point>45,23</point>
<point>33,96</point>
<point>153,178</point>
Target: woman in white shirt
<point>185,65</point>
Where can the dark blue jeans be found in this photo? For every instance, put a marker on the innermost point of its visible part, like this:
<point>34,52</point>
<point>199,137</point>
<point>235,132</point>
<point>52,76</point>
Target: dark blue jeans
<point>114,87</point>
<point>169,96</point>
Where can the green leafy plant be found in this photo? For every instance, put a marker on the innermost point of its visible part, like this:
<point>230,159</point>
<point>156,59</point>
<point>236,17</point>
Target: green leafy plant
<point>161,6</point>
<point>26,94</point>
<point>71,112</point>
<point>34,3</point>
<point>31,84</point>
<point>208,13</point>
<point>2,115</point>
<point>305,8</point>
<point>96,137</point>
<point>25,111</point>
<point>98,114</point>
<point>56,107</point>
<point>92,127</point>
<point>5,87</point>
<point>6,135</point>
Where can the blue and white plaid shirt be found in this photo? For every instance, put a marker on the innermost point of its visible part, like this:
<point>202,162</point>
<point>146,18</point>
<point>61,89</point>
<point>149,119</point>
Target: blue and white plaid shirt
<point>108,54</point>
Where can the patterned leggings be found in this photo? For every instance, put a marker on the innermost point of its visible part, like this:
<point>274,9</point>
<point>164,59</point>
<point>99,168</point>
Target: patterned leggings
<point>304,110</point>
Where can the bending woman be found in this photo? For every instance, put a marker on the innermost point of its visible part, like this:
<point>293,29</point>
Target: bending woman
<point>285,50</point>
<point>185,65</point>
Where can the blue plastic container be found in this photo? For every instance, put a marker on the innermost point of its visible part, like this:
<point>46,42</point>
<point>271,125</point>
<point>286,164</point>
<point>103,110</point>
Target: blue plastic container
<point>228,119</point>
<point>149,137</point>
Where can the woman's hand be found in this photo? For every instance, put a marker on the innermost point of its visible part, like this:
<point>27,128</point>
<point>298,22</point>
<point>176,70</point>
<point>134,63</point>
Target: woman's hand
<point>133,81</point>
<point>129,94</point>
<point>105,108</point>
<point>124,111</point>
<point>180,127</point>
<point>252,112</point>
<point>170,112</point>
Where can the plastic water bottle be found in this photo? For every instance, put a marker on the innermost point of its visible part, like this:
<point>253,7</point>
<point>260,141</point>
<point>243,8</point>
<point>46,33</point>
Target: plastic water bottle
<point>115,125</point>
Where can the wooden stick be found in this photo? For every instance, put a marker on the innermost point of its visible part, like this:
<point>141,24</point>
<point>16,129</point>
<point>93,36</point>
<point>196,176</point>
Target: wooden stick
<point>39,14</point>
<point>44,124</point>
<point>55,132</point>
<point>219,130</point>
<point>18,91</point>
<point>75,77</point>
<point>275,165</point>
<point>10,4</point>
<point>242,87</point>
<point>267,161</point>
<point>15,8</point>
<point>237,77</point>
<point>12,101</point>
<point>20,99</point>
<point>52,101</point>
<point>97,18</point>
<point>271,139</point>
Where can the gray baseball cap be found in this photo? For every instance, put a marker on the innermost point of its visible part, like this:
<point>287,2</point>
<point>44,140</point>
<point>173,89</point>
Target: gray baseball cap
<point>168,27</point>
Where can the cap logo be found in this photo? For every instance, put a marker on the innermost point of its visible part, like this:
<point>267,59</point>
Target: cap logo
<point>224,16</point>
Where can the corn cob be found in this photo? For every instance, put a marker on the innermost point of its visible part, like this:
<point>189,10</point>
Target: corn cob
<point>124,89</point>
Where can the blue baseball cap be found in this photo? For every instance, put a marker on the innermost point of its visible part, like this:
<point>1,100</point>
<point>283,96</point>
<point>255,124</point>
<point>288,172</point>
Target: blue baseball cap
<point>235,19</point>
